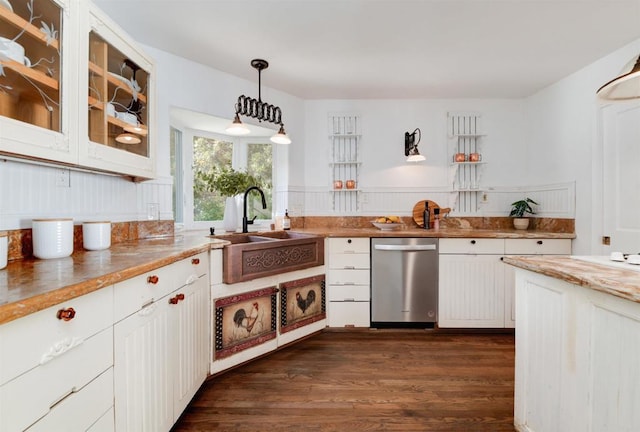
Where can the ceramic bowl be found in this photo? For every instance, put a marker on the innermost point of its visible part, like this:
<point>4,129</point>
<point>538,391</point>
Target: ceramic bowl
<point>12,49</point>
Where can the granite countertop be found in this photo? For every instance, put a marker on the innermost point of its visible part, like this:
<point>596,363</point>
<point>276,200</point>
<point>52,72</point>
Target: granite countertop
<point>619,282</point>
<point>30,285</point>
<point>441,233</point>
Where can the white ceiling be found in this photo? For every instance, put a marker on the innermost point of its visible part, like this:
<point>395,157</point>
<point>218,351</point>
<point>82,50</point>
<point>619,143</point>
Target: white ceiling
<point>355,49</point>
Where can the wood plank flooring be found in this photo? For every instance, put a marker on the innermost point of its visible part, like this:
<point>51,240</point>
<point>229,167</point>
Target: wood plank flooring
<point>378,380</point>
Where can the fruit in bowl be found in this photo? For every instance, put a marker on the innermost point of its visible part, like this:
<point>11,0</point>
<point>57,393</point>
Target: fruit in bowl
<point>387,222</point>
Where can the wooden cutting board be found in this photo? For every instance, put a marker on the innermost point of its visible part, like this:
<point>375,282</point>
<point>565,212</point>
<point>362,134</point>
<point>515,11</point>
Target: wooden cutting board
<point>418,212</point>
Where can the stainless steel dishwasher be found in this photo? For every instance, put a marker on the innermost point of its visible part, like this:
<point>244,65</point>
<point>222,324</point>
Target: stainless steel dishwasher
<point>404,282</point>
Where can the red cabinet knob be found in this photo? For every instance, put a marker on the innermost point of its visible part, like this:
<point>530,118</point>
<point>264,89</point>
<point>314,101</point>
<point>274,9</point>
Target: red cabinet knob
<point>66,314</point>
<point>153,279</point>
<point>176,299</point>
<point>195,261</point>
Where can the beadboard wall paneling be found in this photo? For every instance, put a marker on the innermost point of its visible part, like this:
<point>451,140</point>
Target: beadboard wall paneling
<point>31,191</point>
<point>557,201</point>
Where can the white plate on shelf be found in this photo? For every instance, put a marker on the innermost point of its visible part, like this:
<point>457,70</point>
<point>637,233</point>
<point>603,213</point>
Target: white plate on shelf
<point>5,4</point>
<point>120,78</point>
<point>127,117</point>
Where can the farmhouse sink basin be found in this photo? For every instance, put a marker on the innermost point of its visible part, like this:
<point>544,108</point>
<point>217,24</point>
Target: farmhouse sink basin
<point>251,256</point>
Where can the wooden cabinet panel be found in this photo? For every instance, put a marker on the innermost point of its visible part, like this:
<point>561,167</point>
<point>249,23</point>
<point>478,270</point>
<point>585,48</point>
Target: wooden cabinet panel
<point>350,314</point>
<point>537,247</point>
<point>349,293</point>
<point>341,245</point>
<point>471,246</point>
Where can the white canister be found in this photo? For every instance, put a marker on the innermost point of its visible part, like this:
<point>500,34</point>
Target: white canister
<point>52,238</point>
<point>96,235</point>
<point>4,249</point>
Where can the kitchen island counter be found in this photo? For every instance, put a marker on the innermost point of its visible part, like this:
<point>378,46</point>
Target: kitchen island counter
<point>30,285</point>
<point>441,233</point>
<point>620,282</point>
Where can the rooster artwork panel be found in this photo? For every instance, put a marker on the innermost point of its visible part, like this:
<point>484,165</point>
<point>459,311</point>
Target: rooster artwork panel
<point>302,302</point>
<point>244,321</point>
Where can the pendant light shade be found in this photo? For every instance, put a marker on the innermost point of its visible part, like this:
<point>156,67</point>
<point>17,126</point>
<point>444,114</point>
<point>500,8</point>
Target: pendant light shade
<point>127,138</point>
<point>624,87</point>
<point>415,156</point>
<point>237,127</point>
<point>281,137</point>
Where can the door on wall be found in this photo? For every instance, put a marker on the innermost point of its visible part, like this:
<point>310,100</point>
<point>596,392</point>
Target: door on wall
<point>621,176</point>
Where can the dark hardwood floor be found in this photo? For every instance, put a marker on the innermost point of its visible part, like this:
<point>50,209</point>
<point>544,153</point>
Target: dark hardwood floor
<point>378,380</point>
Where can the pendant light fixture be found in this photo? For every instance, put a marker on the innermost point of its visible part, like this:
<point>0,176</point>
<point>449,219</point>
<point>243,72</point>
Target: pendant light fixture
<point>127,138</point>
<point>411,146</point>
<point>624,87</point>
<point>259,110</point>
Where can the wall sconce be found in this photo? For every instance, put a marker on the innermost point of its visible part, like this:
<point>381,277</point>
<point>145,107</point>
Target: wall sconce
<point>257,109</point>
<point>624,87</point>
<point>411,146</point>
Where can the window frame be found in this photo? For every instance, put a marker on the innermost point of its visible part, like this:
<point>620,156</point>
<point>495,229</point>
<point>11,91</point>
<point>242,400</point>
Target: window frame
<point>238,162</point>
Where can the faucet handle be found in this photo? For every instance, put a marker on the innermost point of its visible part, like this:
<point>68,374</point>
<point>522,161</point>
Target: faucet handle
<point>251,221</point>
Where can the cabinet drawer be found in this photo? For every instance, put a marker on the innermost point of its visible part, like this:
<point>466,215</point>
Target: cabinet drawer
<point>349,261</point>
<point>82,410</point>
<point>34,394</point>
<point>342,245</point>
<point>348,277</point>
<point>471,246</point>
<point>133,294</point>
<point>189,269</point>
<point>537,247</point>
<point>28,341</point>
<point>349,314</point>
<point>349,293</point>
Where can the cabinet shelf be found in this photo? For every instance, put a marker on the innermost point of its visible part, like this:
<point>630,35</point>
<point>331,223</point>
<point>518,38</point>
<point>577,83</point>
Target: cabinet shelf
<point>22,24</point>
<point>99,71</point>
<point>32,74</point>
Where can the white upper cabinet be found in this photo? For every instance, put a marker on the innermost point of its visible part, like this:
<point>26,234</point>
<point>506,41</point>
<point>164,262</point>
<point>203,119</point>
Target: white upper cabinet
<point>74,89</point>
<point>116,134</point>
<point>38,39</point>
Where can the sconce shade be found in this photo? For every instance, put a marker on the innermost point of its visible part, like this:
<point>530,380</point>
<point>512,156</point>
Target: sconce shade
<point>624,87</point>
<point>127,138</point>
<point>281,137</point>
<point>237,127</point>
<point>411,146</point>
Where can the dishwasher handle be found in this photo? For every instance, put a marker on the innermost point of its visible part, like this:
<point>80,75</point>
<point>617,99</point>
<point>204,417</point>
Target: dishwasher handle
<point>405,248</point>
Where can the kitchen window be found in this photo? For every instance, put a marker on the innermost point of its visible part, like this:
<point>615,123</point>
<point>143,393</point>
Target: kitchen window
<point>203,150</point>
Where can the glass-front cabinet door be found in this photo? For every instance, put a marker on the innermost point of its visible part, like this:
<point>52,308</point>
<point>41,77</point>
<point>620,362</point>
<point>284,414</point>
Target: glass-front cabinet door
<point>35,37</point>
<point>119,92</point>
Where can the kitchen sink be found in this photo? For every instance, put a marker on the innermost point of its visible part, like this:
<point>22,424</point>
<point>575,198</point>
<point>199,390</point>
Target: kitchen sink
<point>252,256</point>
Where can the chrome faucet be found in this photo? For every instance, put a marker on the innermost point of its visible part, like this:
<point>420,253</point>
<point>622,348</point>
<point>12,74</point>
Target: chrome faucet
<point>245,221</point>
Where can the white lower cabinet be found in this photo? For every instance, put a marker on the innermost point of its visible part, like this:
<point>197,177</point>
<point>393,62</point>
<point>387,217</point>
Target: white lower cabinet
<point>476,289</point>
<point>348,282</point>
<point>577,357</point>
<point>161,354</point>
<point>55,366</point>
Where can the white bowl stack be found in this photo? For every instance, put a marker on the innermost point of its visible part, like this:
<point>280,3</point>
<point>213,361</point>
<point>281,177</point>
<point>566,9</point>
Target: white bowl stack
<point>52,238</point>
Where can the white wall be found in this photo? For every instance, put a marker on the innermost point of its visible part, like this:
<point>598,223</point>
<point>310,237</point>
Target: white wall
<point>563,140</point>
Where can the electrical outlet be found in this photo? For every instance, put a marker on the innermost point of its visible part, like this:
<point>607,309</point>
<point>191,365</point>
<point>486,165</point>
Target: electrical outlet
<point>485,198</point>
<point>63,177</point>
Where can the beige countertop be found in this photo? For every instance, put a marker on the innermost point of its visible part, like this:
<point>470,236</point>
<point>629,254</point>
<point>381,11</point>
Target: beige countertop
<point>620,282</point>
<point>30,285</point>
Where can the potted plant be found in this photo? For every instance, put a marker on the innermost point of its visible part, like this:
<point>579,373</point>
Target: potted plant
<point>518,211</point>
<point>230,184</point>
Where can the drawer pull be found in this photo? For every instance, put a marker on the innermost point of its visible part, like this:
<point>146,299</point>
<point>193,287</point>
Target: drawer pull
<point>66,314</point>
<point>349,283</point>
<point>176,299</point>
<point>71,391</point>
<point>191,279</point>
<point>195,261</point>
<point>147,309</point>
<point>349,299</point>
<point>153,279</point>
<point>60,348</point>
<point>539,242</point>
<point>473,242</point>
<point>349,267</point>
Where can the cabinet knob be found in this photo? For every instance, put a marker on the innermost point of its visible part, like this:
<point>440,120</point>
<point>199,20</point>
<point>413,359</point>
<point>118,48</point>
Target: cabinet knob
<point>176,299</point>
<point>66,314</point>
<point>349,241</point>
<point>539,242</point>
<point>473,242</point>
<point>153,279</point>
<point>195,261</point>
<point>501,258</point>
